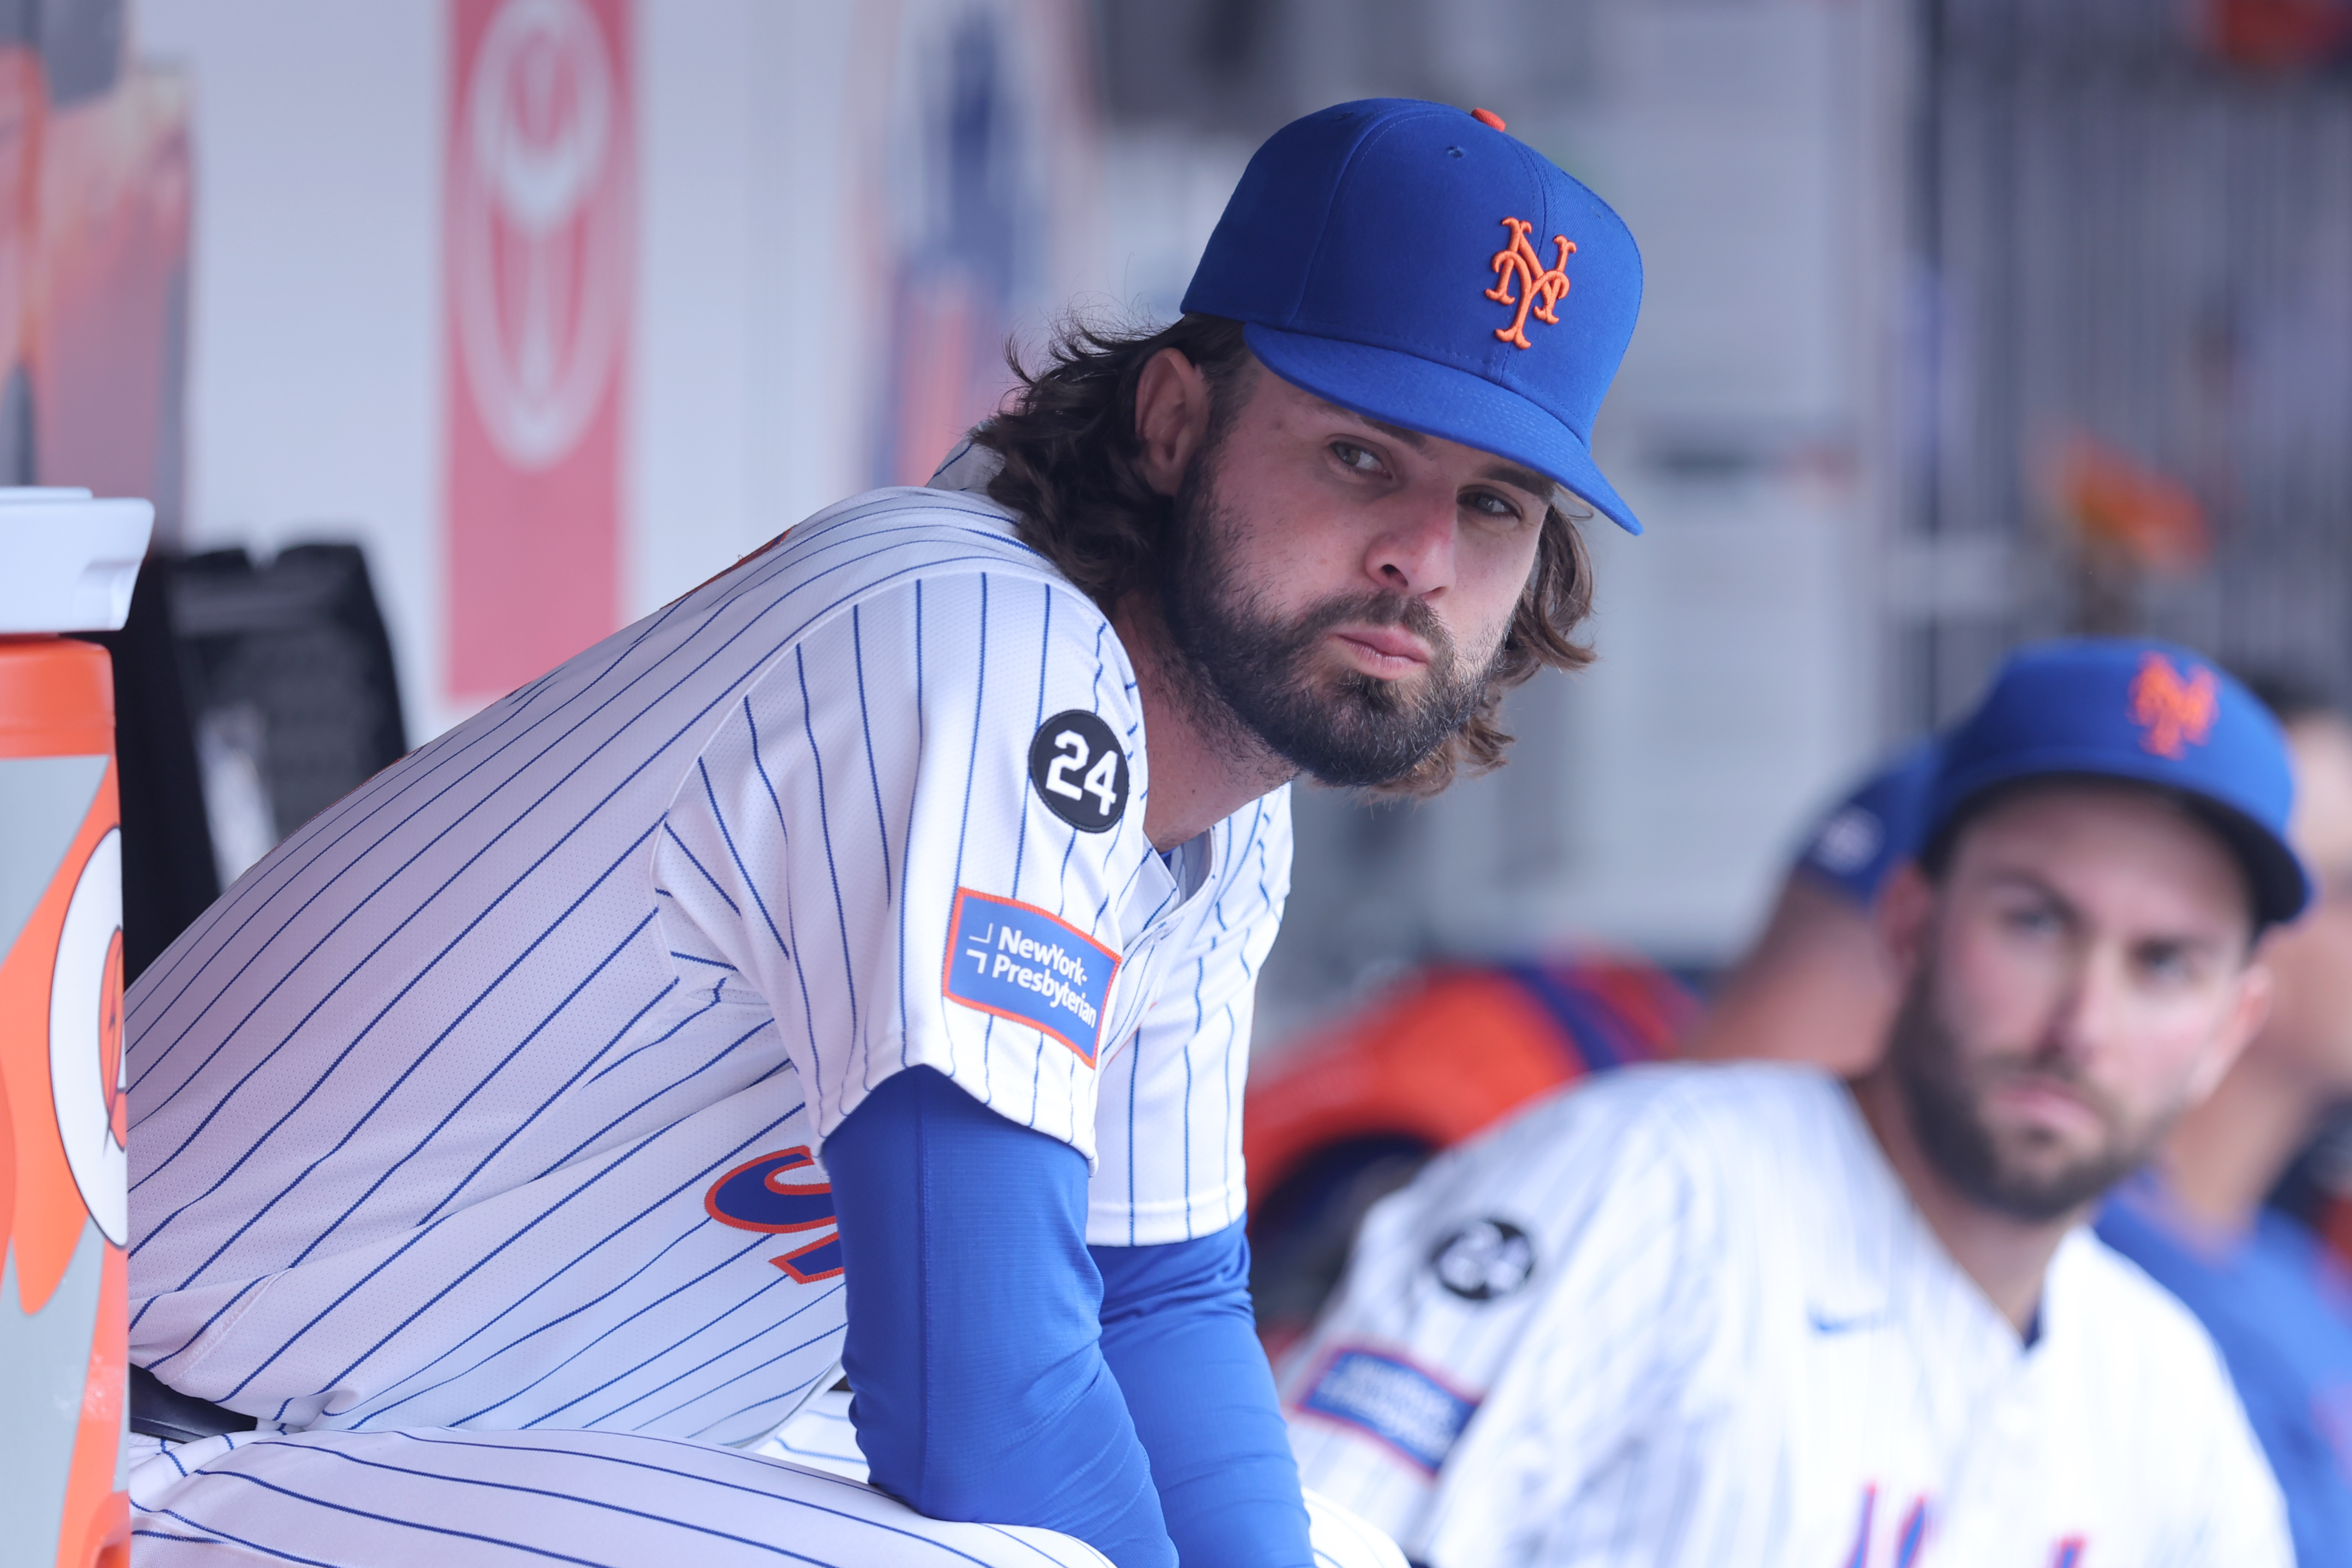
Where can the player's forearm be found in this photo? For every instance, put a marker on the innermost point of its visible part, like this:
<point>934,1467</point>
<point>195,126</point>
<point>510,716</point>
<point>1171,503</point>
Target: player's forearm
<point>1177,1331</point>
<point>973,1349</point>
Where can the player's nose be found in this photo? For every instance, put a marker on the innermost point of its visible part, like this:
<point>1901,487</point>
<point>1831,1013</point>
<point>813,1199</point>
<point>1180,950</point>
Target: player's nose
<point>2091,1011</point>
<point>1413,550</point>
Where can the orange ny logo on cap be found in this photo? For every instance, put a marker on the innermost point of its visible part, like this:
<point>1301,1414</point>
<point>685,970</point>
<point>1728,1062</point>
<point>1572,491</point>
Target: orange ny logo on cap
<point>1518,262</point>
<point>2173,714</point>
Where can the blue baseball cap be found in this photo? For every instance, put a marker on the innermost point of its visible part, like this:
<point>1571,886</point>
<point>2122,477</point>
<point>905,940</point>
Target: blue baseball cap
<point>1856,846</point>
<point>1416,264</point>
<point>2146,712</point>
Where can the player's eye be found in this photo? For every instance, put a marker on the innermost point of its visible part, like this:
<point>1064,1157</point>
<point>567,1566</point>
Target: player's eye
<point>2033,920</point>
<point>1361,459</point>
<point>1487,503</point>
<point>2168,962</point>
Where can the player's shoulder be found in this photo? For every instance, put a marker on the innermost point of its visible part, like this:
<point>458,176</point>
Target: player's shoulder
<point>1747,1102</point>
<point>1708,1122</point>
<point>891,539</point>
<point>2123,1321</point>
<point>2149,1384</point>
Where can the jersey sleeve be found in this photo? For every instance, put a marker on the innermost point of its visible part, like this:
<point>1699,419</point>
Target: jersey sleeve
<point>1504,1323</point>
<point>912,842</point>
<point>1170,1122</point>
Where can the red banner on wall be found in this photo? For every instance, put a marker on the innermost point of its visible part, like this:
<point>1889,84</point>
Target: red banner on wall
<point>538,237</point>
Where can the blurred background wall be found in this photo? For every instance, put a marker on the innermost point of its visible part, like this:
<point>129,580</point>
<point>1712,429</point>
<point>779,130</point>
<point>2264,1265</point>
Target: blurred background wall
<point>1966,320</point>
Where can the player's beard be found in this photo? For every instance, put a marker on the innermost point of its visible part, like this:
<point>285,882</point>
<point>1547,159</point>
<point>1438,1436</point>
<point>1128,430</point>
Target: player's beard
<point>2022,1173</point>
<point>1247,667</point>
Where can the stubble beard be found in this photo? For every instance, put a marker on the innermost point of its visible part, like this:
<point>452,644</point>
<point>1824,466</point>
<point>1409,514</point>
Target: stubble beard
<point>2019,1176</point>
<point>1249,677</point>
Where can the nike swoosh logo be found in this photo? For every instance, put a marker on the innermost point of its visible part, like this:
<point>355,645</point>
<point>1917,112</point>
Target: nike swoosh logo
<point>1823,1323</point>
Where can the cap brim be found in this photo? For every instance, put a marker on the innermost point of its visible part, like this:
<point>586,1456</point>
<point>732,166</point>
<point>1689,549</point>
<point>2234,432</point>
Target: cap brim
<point>2281,885</point>
<point>1440,400</point>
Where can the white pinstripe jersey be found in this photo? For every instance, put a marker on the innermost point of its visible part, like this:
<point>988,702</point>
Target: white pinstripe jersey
<point>489,1098</point>
<point>1687,1315</point>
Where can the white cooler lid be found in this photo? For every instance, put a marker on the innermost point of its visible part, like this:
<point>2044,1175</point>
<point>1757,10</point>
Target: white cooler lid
<point>68,562</point>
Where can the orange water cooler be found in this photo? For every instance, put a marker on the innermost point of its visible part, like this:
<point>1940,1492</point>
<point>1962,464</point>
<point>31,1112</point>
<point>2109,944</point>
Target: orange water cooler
<point>67,564</point>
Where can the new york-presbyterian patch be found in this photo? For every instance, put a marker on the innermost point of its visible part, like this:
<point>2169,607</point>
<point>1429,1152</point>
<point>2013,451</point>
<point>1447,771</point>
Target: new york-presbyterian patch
<point>1388,1398</point>
<point>1078,771</point>
<point>1017,961</point>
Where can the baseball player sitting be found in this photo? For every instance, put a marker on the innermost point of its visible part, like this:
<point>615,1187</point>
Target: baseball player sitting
<point>1709,1313</point>
<point>850,965</point>
<point>2277,1300</point>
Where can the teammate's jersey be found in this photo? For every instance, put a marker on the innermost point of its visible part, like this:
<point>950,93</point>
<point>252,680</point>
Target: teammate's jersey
<point>1687,1315</point>
<point>492,1097</point>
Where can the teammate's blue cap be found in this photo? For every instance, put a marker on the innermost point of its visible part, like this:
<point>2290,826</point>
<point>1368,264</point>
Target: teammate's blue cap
<point>2149,712</point>
<point>1856,846</point>
<point>1415,263</point>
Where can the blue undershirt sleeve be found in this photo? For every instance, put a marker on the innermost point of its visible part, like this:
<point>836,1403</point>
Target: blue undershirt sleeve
<point>979,1390</point>
<point>1177,1330</point>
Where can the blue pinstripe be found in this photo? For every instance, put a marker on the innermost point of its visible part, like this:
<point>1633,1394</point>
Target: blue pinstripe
<point>1020,832</point>
<point>671,833</point>
<point>914,793</point>
<point>825,832</point>
<point>971,762</point>
<point>866,728</point>
<point>1134,1077</point>
<point>783,830</point>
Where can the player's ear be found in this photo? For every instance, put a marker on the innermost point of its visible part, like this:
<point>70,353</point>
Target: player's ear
<point>1905,904</point>
<point>1171,417</point>
<point>2250,1008</point>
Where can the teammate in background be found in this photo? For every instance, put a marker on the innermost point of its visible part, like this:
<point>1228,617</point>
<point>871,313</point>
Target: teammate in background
<point>2274,1297</point>
<point>1705,1313</point>
<point>852,962</point>
<point>1817,985</point>
<point>2275,1301</point>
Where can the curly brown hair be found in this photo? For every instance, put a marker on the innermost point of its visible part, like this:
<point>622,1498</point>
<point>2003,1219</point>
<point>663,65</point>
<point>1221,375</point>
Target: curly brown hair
<point>1072,477</point>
